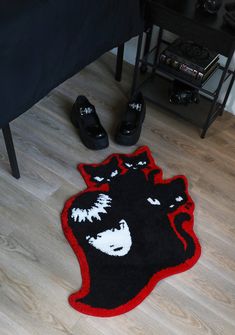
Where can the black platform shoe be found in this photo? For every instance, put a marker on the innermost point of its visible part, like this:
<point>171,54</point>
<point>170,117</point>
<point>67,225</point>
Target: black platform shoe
<point>86,120</point>
<point>128,132</point>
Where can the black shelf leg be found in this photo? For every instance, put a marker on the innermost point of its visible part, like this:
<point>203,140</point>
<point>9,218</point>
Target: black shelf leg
<point>214,104</point>
<point>159,40</point>
<point>11,151</point>
<point>227,93</point>
<point>137,61</point>
<point>119,64</point>
<point>149,32</point>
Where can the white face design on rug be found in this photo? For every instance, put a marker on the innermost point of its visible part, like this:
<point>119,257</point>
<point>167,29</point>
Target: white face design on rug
<point>113,242</point>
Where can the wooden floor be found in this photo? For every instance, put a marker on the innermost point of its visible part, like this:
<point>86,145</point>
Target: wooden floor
<point>38,269</point>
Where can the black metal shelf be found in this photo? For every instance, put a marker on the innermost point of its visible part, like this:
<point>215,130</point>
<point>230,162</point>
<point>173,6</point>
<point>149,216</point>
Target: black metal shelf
<point>155,86</point>
<point>181,19</point>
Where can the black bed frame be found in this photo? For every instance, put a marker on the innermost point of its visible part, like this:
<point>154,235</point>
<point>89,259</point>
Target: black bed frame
<point>7,130</point>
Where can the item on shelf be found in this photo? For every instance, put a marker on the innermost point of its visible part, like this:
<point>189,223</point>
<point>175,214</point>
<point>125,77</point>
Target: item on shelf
<point>209,6</point>
<point>229,16</point>
<point>183,94</point>
<point>86,120</point>
<point>189,61</point>
<point>128,132</point>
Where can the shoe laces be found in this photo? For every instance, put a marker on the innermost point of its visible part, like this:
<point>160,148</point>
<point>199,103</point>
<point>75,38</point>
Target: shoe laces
<point>136,106</point>
<point>86,111</point>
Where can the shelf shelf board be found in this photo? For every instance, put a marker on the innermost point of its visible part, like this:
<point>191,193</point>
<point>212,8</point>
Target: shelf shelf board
<point>155,89</point>
<point>209,87</point>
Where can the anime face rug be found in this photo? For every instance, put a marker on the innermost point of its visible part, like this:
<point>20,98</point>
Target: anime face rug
<point>129,229</point>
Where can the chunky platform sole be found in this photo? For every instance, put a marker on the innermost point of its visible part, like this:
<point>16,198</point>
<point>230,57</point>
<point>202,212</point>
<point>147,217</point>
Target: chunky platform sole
<point>129,140</point>
<point>89,142</point>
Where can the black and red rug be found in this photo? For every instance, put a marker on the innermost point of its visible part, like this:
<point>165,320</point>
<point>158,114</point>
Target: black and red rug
<point>129,229</point>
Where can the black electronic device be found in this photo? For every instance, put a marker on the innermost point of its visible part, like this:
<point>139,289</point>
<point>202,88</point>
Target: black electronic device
<point>209,6</point>
<point>189,61</point>
<point>183,94</point>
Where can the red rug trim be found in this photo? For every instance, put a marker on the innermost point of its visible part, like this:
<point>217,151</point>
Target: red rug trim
<point>84,290</point>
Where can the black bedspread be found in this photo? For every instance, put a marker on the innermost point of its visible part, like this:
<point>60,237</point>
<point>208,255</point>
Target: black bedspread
<point>44,42</point>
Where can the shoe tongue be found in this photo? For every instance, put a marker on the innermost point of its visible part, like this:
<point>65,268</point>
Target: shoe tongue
<point>86,110</point>
<point>135,106</point>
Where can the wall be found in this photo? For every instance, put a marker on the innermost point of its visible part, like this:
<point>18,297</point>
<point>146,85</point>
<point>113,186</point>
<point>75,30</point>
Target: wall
<point>129,56</point>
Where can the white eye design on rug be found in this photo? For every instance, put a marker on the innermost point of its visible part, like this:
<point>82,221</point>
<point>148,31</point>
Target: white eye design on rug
<point>129,165</point>
<point>154,202</point>
<point>141,163</point>
<point>179,199</point>
<point>114,173</point>
<point>97,178</point>
<point>113,242</point>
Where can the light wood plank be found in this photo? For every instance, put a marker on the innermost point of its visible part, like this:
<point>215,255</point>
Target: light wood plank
<point>38,269</point>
